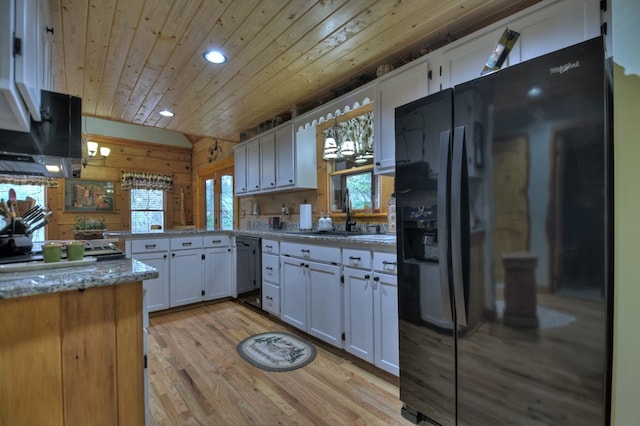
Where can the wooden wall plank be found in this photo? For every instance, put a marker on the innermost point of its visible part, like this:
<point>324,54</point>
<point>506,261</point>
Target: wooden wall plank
<point>30,347</point>
<point>89,357</point>
<point>129,350</point>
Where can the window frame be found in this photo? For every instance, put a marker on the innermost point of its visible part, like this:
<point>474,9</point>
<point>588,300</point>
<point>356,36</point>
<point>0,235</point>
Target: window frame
<point>162,210</point>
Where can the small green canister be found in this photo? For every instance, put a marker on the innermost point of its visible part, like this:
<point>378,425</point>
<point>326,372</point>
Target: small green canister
<point>51,252</point>
<point>75,250</point>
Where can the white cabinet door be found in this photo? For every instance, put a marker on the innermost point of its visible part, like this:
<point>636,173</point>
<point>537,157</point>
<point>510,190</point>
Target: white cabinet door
<point>253,166</point>
<point>358,316</point>
<point>285,160</point>
<point>186,276</point>
<point>217,273</point>
<point>240,158</point>
<point>157,288</point>
<point>268,162</point>
<point>385,296</point>
<point>293,292</point>
<point>396,90</point>
<point>325,302</point>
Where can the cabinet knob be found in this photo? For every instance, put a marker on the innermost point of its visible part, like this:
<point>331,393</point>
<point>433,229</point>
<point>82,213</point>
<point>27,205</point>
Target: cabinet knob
<point>290,180</point>
<point>271,184</point>
<point>377,163</point>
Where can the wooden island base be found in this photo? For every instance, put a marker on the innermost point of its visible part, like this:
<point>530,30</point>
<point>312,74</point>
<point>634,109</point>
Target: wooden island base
<point>73,357</point>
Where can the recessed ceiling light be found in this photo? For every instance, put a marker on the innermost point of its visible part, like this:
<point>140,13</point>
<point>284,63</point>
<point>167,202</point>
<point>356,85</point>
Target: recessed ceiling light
<point>166,113</point>
<point>214,57</point>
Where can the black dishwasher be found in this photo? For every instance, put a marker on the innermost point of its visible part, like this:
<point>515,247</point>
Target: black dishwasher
<point>249,270</point>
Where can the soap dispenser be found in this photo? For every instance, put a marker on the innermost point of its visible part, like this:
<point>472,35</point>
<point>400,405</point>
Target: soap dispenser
<point>322,222</point>
<point>329,222</point>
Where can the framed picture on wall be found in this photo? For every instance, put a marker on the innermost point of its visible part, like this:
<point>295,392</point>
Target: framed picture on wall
<point>88,196</point>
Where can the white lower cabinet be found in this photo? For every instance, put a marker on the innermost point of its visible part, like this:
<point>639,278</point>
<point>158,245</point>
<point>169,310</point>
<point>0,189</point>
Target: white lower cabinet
<point>154,253</point>
<point>191,268</point>
<point>217,272</point>
<point>358,318</point>
<point>311,291</point>
<point>371,308</point>
<point>157,289</point>
<point>385,314</point>
<point>186,276</point>
<point>325,302</point>
<point>294,292</point>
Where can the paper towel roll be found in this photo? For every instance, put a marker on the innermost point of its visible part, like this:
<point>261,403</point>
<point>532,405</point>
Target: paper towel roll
<point>305,217</point>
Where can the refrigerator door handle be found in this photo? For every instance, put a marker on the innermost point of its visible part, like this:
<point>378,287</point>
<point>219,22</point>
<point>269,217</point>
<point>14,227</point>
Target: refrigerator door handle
<point>443,223</point>
<point>457,168</point>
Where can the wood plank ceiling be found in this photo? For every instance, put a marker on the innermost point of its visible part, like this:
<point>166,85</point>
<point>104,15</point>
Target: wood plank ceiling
<point>129,59</point>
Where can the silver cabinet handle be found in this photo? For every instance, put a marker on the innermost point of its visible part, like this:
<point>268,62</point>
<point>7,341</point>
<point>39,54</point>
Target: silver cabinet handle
<point>149,246</point>
<point>384,262</point>
<point>186,244</point>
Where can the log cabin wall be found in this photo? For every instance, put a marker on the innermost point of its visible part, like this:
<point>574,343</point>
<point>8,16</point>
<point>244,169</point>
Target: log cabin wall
<point>127,155</point>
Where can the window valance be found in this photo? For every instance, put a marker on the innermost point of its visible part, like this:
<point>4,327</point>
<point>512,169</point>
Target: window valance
<point>50,182</point>
<point>143,180</point>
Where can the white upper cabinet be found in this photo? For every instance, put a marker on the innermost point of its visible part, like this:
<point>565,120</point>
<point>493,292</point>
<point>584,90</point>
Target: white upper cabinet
<point>253,166</point>
<point>543,29</point>
<point>267,161</point>
<point>285,157</point>
<point>399,88</point>
<point>277,160</point>
<point>24,62</point>
<point>240,163</point>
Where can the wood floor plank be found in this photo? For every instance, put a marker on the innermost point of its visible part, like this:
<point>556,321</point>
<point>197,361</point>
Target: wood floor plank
<point>197,377</point>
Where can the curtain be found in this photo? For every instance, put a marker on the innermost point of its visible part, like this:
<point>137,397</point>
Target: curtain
<point>143,180</point>
<point>50,182</point>
<point>358,129</point>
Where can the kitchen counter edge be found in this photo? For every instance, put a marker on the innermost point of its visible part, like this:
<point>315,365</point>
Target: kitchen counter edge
<point>98,274</point>
<point>276,235</point>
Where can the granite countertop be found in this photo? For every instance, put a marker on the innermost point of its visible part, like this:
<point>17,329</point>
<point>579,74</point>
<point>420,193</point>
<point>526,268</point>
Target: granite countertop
<point>96,274</point>
<point>335,237</point>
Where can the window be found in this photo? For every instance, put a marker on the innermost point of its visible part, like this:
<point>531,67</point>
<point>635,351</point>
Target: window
<point>362,185</point>
<point>22,192</point>
<point>147,208</point>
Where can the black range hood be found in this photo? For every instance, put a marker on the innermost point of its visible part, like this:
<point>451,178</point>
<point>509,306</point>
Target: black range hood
<point>52,147</point>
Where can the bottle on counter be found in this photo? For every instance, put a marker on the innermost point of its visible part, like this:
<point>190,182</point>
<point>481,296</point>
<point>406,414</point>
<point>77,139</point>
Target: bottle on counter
<point>322,222</point>
<point>391,214</point>
<point>329,222</point>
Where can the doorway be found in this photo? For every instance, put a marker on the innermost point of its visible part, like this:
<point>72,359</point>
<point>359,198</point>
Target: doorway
<point>578,204</point>
<point>217,203</point>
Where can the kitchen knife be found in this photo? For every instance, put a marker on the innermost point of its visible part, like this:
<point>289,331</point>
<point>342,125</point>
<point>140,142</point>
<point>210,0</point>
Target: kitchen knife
<point>33,210</point>
<point>38,226</point>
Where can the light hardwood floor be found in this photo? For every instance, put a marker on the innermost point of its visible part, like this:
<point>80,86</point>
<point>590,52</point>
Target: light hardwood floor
<point>196,376</point>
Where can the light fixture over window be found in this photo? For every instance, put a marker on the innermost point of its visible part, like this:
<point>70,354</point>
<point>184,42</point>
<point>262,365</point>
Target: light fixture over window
<point>350,139</point>
<point>215,57</point>
<point>166,113</point>
<point>92,152</point>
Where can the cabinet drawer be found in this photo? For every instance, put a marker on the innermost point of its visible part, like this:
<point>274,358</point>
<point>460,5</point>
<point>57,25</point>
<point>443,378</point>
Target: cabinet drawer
<point>215,241</point>
<point>310,251</point>
<point>356,258</point>
<point>271,268</point>
<point>186,243</point>
<point>271,298</point>
<point>271,246</point>
<point>385,262</point>
<point>148,246</point>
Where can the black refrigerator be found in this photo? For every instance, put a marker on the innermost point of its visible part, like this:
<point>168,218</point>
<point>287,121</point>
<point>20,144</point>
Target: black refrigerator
<point>503,189</point>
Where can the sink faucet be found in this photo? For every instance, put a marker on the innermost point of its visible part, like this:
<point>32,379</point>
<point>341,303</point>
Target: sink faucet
<point>347,209</point>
